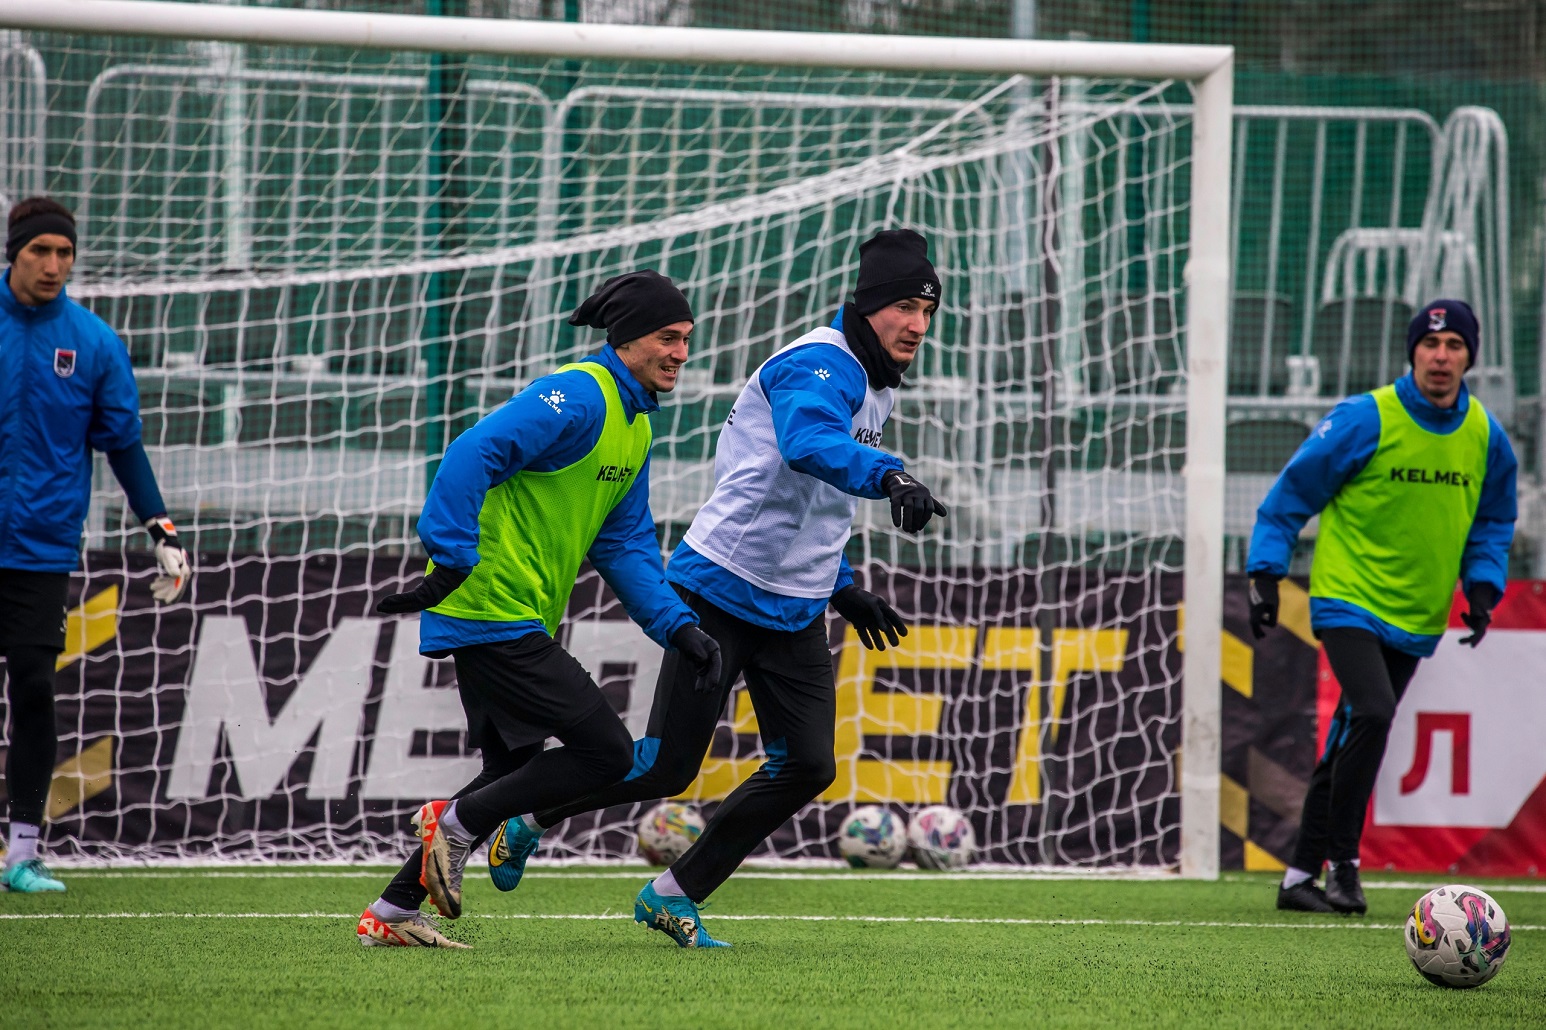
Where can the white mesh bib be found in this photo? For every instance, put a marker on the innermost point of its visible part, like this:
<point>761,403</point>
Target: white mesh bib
<point>779,529</point>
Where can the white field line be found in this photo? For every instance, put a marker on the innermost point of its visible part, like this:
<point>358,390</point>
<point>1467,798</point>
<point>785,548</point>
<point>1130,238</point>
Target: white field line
<point>618,917</point>
<point>835,876</point>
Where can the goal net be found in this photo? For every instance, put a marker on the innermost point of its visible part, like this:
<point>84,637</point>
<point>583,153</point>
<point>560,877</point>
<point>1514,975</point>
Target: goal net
<point>326,263</point>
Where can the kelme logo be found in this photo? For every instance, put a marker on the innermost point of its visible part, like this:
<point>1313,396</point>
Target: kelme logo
<point>1430,477</point>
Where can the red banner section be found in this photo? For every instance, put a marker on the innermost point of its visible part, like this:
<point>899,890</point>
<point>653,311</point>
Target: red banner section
<point>1463,785</point>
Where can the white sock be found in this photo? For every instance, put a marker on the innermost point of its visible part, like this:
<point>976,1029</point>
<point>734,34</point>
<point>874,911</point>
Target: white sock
<point>24,844</point>
<point>1350,861</point>
<point>390,913</point>
<point>530,822</point>
<point>452,827</point>
<point>666,886</point>
<point>1294,877</point>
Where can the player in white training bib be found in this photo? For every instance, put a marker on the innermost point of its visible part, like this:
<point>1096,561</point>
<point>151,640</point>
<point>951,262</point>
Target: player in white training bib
<point>759,565</point>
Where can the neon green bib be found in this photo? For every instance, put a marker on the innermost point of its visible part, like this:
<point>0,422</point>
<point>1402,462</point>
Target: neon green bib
<point>536,527</point>
<point>1392,538</point>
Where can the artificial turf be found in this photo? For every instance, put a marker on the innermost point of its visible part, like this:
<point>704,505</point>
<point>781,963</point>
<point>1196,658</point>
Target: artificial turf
<point>191,948</point>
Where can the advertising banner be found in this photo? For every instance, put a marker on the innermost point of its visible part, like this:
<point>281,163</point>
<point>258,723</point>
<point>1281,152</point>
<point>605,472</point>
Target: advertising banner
<point>276,716</point>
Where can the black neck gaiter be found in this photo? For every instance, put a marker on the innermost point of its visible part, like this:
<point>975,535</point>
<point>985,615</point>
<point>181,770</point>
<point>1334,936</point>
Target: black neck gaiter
<point>882,369</point>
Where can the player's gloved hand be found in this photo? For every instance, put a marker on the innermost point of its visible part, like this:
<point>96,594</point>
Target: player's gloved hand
<point>433,589</point>
<point>1264,603</point>
<point>171,559</point>
<point>702,651</point>
<point>869,616</point>
<point>1483,597</point>
<point>911,502</point>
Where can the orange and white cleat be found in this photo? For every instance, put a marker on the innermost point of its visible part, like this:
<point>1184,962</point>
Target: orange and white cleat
<point>444,862</point>
<point>417,932</point>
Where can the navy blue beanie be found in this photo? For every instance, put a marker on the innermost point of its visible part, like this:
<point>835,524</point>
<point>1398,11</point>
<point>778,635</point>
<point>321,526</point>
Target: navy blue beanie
<point>1437,316</point>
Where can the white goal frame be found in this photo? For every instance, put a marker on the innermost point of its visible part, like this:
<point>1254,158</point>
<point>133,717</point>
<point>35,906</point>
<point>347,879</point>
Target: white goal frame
<point>1209,69</point>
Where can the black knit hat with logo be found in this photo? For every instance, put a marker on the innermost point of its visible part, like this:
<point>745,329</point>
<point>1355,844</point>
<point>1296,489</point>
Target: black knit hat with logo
<point>894,265</point>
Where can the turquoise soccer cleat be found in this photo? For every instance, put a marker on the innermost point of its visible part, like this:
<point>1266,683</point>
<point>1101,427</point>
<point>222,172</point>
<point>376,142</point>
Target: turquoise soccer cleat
<point>512,844</point>
<point>30,877</point>
<point>676,917</point>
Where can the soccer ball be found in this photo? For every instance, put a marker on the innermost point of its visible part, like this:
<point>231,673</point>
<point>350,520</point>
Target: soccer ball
<point>941,838</point>
<point>873,838</point>
<point>667,831</point>
<point>1457,936</point>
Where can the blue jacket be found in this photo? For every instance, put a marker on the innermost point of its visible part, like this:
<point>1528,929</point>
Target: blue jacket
<point>1338,450</point>
<point>66,388</point>
<point>815,436</point>
<point>526,433</point>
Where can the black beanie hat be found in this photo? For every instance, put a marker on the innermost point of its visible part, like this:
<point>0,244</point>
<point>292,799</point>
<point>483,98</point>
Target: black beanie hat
<point>632,305</point>
<point>28,228</point>
<point>1437,316</point>
<point>894,265</point>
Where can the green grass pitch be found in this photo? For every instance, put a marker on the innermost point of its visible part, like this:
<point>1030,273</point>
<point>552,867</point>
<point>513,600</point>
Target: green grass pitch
<point>247,947</point>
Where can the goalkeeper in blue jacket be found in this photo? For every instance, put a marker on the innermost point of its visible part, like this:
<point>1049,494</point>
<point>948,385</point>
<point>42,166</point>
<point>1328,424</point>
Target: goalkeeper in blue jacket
<point>760,563</point>
<point>66,389</point>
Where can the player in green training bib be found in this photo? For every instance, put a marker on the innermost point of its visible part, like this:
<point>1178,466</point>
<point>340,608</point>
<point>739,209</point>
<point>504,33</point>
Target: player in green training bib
<point>558,475</point>
<point>1415,486</point>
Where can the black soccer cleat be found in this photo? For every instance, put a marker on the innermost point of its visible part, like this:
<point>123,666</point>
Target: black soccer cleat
<point>1304,897</point>
<point>1343,889</point>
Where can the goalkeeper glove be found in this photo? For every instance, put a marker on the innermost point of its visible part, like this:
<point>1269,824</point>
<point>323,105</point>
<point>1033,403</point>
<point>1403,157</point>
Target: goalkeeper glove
<point>1483,597</point>
<point>870,617</point>
<point>432,589</point>
<point>702,653</point>
<point>911,503</point>
<point>1264,603</point>
<point>171,559</point>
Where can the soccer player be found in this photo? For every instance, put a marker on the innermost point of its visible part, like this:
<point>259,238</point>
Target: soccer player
<point>558,474</point>
<point>1415,483</point>
<point>66,389</point>
<point>759,565</point>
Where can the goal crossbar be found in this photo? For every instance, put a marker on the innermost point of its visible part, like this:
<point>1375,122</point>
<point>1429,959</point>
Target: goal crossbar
<point>268,25</point>
<point>1209,69</point>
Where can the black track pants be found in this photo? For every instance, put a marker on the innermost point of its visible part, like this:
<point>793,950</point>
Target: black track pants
<point>789,675</point>
<point>515,695</point>
<point>33,737</point>
<point>1373,678</point>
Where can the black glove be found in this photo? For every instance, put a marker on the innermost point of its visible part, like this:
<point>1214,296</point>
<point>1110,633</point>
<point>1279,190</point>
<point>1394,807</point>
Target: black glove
<point>869,616</point>
<point>434,588</point>
<point>1483,597</point>
<point>702,651</point>
<point>1264,603</point>
<point>911,502</point>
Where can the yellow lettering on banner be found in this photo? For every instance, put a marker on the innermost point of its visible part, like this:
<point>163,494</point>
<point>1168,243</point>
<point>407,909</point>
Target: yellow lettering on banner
<point>862,710</point>
<point>81,778</point>
<point>1073,650</point>
<point>89,626</point>
<point>720,776</point>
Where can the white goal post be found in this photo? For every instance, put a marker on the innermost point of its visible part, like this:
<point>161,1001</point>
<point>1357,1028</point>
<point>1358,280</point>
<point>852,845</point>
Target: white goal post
<point>1207,69</point>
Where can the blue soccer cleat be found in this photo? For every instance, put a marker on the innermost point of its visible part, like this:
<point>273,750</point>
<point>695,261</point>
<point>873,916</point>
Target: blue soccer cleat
<point>512,844</point>
<point>30,877</point>
<point>676,917</point>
